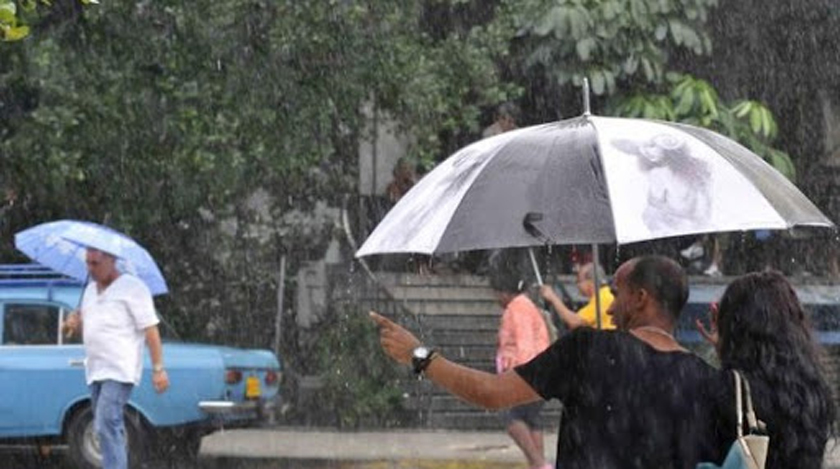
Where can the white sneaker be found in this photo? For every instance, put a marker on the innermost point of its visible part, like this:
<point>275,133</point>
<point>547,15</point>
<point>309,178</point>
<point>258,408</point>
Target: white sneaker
<point>695,251</point>
<point>713,271</point>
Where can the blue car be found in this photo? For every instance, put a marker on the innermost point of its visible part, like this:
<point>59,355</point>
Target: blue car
<point>46,402</point>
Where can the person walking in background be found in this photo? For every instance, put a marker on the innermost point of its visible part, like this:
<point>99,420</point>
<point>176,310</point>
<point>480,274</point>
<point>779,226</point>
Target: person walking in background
<point>117,314</point>
<point>630,396</point>
<point>523,334</point>
<point>404,178</point>
<point>506,118</point>
<point>761,330</point>
<point>586,316</point>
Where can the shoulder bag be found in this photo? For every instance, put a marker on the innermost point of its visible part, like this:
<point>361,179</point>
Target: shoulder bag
<point>748,451</point>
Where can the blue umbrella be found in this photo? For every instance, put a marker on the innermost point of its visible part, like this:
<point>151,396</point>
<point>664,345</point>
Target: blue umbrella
<point>61,246</point>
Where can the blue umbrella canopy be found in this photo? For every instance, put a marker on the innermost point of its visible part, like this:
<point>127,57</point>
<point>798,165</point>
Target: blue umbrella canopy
<point>61,246</point>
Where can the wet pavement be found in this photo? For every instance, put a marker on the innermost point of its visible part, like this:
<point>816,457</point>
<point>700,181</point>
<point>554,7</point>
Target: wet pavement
<point>382,449</point>
<point>400,449</point>
<point>296,448</point>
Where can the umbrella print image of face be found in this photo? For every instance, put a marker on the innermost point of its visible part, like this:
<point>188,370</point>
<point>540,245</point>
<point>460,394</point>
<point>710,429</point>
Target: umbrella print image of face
<point>679,183</point>
<point>594,180</point>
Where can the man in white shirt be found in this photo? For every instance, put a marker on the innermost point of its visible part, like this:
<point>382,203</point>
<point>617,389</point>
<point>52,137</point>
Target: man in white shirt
<point>116,316</point>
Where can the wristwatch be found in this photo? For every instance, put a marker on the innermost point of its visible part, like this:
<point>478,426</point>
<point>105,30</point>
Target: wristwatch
<point>157,368</point>
<point>421,357</point>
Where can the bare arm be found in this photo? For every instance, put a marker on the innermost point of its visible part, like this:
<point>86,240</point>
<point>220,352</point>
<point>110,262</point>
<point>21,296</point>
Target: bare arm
<point>160,378</point>
<point>487,390</point>
<point>569,317</point>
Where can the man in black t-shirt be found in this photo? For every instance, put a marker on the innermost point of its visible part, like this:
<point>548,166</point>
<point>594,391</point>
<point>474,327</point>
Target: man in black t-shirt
<point>632,397</point>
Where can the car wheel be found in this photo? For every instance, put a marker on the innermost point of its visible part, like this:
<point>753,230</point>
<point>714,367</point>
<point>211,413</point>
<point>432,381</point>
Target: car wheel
<point>84,451</point>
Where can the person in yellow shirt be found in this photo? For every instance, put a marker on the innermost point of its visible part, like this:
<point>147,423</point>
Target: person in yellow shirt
<point>586,315</point>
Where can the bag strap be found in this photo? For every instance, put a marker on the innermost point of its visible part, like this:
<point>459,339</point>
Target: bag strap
<point>739,412</point>
<point>742,408</point>
<point>752,421</point>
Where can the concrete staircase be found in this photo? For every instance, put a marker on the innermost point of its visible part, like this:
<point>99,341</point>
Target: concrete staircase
<point>457,314</point>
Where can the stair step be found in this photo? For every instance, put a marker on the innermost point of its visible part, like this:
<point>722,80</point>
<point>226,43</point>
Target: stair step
<point>454,322</point>
<point>443,307</point>
<point>453,280</point>
<point>442,292</point>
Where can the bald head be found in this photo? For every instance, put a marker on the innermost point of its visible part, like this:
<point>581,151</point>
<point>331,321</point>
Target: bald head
<point>650,290</point>
<point>663,279</point>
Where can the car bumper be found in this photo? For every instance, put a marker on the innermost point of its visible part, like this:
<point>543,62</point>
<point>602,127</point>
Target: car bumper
<point>236,409</point>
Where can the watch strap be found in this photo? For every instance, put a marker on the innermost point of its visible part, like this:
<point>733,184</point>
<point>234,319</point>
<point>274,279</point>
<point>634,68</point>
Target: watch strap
<point>420,364</point>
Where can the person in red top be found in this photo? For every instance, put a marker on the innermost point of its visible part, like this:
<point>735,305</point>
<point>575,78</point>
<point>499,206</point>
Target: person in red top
<point>523,335</point>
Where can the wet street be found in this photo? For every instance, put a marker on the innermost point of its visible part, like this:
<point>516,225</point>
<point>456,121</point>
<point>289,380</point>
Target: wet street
<point>291,448</point>
<point>284,448</point>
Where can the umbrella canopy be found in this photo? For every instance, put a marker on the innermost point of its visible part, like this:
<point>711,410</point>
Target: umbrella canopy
<point>591,180</point>
<point>61,246</point>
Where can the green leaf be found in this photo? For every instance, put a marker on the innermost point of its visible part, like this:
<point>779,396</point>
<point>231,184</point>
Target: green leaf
<point>8,8</point>
<point>742,108</point>
<point>554,22</point>
<point>598,82</point>
<point>584,48</point>
<point>768,124</point>
<point>708,99</point>
<point>15,33</point>
<point>685,102</point>
<point>7,17</point>
<point>631,65</point>
<point>661,32</point>
<point>676,31</point>
<point>782,162</point>
<point>755,122</point>
<point>648,69</point>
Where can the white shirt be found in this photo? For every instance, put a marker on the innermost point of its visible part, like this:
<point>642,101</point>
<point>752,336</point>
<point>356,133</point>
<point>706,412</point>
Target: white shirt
<point>114,323</point>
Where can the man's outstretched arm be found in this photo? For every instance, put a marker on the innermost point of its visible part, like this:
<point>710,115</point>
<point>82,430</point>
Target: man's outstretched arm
<point>487,390</point>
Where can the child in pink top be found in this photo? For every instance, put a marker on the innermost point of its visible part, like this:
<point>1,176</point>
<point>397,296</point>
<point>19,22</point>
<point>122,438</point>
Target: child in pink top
<point>523,334</point>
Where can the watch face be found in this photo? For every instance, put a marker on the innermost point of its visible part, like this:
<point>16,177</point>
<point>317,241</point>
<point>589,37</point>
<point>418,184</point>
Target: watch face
<point>421,353</point>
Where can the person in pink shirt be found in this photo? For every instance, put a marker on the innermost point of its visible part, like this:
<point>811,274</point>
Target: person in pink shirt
<point>523,334</point>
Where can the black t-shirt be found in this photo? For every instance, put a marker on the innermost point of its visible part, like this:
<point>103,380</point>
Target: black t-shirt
<point>626,405</point>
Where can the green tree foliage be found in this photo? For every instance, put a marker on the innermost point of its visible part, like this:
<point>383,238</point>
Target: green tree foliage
<point>627,49</point>
<point>209,130</point>
<point>17,15</point>
<point>11,26</point>
<point>608,41</point>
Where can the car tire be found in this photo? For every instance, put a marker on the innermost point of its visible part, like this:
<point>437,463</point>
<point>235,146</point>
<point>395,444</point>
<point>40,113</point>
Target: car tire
<point>83,447</point>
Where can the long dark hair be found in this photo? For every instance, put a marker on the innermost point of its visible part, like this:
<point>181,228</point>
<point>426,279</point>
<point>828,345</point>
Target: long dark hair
<point>765,333</point>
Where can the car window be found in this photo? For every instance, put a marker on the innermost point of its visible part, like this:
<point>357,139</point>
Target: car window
<point>30,324</point>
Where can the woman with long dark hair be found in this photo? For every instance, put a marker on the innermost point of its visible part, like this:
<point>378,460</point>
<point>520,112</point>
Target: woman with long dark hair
<point>761,329</point>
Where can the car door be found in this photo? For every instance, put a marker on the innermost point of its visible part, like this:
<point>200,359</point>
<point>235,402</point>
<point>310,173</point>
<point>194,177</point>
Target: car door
<point>41,373</point>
